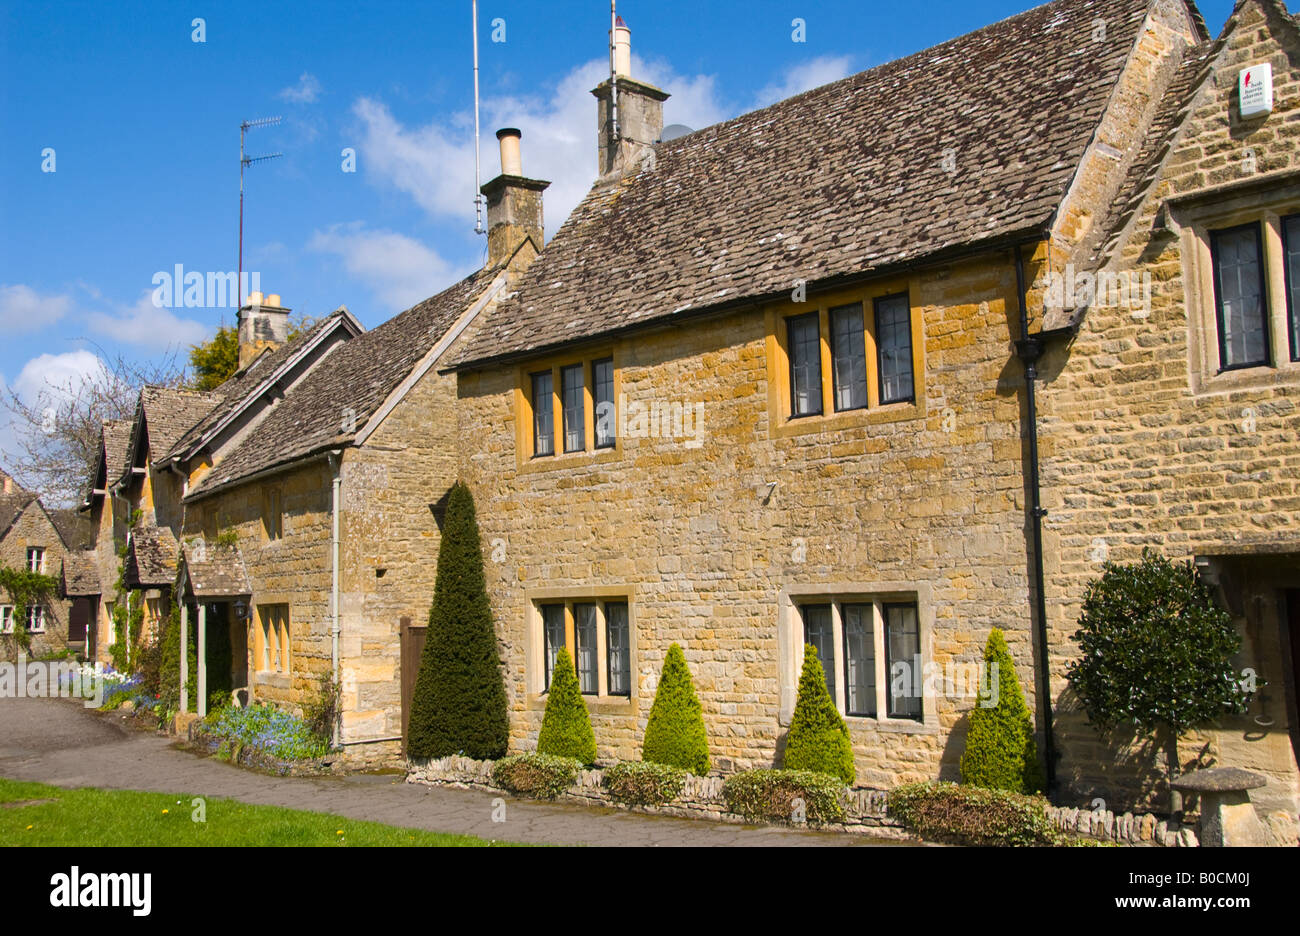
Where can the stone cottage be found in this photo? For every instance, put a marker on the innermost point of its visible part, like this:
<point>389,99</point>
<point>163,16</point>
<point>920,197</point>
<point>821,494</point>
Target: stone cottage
<point>35,538</point>
<point>1169,395</point>
<point>767,387</point>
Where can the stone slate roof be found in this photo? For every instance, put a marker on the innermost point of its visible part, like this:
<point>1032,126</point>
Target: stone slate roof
<point>116,437</point>
<point>237,389</point>
<point>80,574</point>
<point>168,413</point>
<point>12,507</point>
<point>151,556</point>
<point>843,180</point>
<point>336,400</point>
<point>73,527</point>
<point>215,570</point>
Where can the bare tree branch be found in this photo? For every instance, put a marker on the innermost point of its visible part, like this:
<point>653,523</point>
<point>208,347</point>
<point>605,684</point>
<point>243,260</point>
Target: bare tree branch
<point>57,433</point>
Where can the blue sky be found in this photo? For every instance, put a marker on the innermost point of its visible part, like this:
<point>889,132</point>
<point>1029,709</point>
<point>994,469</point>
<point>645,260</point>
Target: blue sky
<point>143,123</point>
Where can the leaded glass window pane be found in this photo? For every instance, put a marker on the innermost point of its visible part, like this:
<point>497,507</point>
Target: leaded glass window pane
<point>805,365</point>
<point>859,660</point>
<point>618,648</point>
<point>894,341</point>
<point>849,357</point>
<point>584,632</point>
<point>1239,297</point>
<point>902,660</point>
<point>817,631</point>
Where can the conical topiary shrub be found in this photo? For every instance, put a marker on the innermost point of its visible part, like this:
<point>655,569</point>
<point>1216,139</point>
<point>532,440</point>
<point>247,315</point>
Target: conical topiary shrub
<point>1000,750</point>
<point>566,726</point>
<point>818,738</point>
<point>459,702</point>
<point>674,733</point>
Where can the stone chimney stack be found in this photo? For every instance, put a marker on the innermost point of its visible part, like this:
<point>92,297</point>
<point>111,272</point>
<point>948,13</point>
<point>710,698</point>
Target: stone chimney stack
<point>639,111</point>
<point>514,203</point>
<point>263,323</point>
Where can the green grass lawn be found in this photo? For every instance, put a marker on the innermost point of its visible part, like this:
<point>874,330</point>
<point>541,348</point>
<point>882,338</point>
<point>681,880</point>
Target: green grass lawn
<point>37,814</point>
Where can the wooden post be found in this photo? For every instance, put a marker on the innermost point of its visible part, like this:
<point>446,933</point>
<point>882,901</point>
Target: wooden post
<point>185,653</point>
<point>203,662</point>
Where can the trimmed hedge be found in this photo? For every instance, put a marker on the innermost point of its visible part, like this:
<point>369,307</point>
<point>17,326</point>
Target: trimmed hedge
<point>818,739</point>
<point>674,732</point>
<point>538,775</point>
<point>770,794</point>
<point>638,783</point>
<point>566,726</point>
<point>1000,750</point>
<point>962,815</point>
<point>459,702</point>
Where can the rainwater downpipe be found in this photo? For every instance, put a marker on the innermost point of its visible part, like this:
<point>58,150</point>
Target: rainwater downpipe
<point>336,486</point>
<point>1029,348</point>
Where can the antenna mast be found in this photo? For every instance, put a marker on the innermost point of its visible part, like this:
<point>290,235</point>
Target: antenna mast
<point>478,195</point>
<point>244,127</point>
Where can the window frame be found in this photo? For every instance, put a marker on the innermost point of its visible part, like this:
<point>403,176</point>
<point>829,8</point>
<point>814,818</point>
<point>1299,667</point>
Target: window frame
<point>627,648</point>
<point>561,453</point>
<point>6,619</point>
<point>828,670</point>
<point>273,635</point>
<point>37,553</point>
<point>538,673</point>
<point>834,313</point>
<point>844,642</point>
<point>36,618</point>
<point>596,402</point>
<point>537,411</point>
<point>581,407</point>
<point>875,598</point>
<point>876,303</point>
<point>918,678</point>
<point>790,322</point>
<point>598,613</point>
<point>1266,314</point>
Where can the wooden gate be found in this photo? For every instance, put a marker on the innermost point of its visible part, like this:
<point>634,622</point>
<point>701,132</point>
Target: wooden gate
<point>412,636</point>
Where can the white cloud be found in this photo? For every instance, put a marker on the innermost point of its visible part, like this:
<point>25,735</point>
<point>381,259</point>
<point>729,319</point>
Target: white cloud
<point>304,92</point>
<point>811,74</point>
<point>149,326</point>
<point>400,270</point>
<point>434,163</point>
<point>50,376</point>
<point>22,309</point>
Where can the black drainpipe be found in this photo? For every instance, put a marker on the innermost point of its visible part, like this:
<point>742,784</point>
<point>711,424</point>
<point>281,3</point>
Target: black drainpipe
<point>1029,349</point>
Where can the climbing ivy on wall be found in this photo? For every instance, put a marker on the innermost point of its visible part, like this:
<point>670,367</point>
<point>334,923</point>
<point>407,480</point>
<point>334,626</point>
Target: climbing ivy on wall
<point>25,589</point>
<point>128,615</point>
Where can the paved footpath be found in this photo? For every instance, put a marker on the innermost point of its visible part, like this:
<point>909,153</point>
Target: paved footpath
<point>61,743</point>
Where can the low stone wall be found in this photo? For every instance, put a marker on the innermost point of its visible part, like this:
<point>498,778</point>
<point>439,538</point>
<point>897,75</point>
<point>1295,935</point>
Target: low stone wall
<point>1124,829</point>
<point>866,811</point>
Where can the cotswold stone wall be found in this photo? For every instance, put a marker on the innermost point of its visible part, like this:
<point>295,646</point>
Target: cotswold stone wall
<point>294,571</point>
<point>394,492</point>
<point>922,499</point>
<point>1147,445</point>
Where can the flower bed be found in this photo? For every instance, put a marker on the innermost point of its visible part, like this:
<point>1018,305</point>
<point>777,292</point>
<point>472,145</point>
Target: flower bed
<point>260,735</point>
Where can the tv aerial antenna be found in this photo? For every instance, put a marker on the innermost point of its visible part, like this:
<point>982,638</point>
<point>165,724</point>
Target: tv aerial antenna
<point>245,160</point>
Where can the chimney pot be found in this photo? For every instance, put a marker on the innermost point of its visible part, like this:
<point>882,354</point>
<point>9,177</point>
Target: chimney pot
<point>511,163</point>
<point>255,298</point>
<point>273,300</point>
<point>622,49</point>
